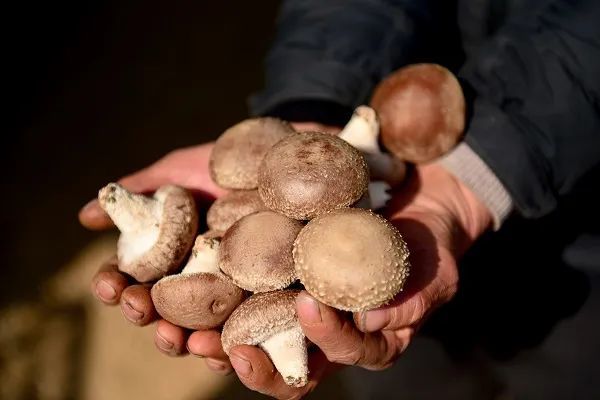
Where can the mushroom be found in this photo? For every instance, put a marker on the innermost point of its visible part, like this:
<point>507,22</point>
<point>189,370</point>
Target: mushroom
<point>362,132</point>
<point>226,210</point>
<point>269,320</point>
<point>237,153</point>
<point>256,252</point>
<point>351,259</point>
<point>422,112</point>
<point>200,297</point>
<point>156,232</point>
<point>309,173</point>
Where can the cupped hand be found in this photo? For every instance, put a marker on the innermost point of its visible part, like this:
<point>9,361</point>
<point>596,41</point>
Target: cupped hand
<point>439,218</point>
<point>187,167</point>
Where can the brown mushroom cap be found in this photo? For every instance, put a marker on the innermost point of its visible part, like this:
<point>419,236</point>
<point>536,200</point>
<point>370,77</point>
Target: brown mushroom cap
<point>196,301</point>
<point>226,210</point>
<point>310,173</point>
<point>270,321</point>
<point>260,316</point>
<point>156,233</point>
<point>351,259</point>
<point>422,112</point>
<point>200,297</point>
<point>256,252</point>
<point>237,153</point>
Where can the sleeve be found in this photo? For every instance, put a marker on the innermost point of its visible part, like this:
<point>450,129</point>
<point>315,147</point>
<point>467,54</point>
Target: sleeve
<point>535,109</point>
<point>331,53</point>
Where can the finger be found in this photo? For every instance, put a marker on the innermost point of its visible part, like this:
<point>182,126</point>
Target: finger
<point>339,338</point>
<point>207,344</point>
<point>170,339</point>
<point>256,371</point>
<point>219,366</point>
<point>108,283</point>
<point>137,306</point>
<point>432,284</point>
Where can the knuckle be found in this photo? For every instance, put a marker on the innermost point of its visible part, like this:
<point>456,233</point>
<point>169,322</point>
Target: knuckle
<point>350,357</point>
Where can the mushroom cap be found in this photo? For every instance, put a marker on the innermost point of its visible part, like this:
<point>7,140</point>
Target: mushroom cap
<point>226,210</point>
<point>256,252</point>
<point>196,301</point>
<point>259,317</point>
<point>310,173</point>
<point>163,251</point>
<point>422,112</point>
<point>351,259</point>
<point>237,153</point>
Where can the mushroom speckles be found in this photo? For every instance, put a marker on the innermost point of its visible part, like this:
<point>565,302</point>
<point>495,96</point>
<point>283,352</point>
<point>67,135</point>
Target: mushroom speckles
<point>238,152</point>
<point>269,320</point>
<point>351,259</point>
<point>256,252</point>
<point>310,173</point>
<point>200,297</point>
<point>422,112</point>
<point>156,232</point>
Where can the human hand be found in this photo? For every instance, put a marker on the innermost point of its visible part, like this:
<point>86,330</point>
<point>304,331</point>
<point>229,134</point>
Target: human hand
<point>187,167</point>
<point>439,218</point>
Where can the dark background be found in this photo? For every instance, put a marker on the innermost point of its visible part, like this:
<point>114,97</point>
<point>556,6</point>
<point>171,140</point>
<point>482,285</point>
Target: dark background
<point>96,90</point>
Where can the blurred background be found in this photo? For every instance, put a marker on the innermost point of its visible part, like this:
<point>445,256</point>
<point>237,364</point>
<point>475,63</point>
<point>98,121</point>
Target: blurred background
<point>96,90</point>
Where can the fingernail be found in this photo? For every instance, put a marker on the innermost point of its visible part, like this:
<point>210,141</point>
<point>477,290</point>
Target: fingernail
<point>374,320</point>
<point>105,291</point>
<point>192,353</point>
<point>131,313</point>
<point>163,343</point>
<point>308,308</point>
<point>241,365</point>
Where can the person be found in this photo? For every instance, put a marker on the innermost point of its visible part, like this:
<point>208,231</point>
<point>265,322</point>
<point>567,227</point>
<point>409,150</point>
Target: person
<point>529,70</point>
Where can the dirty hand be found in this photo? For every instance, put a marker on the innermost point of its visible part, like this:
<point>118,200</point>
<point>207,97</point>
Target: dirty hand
<point>439,218</point>
<point>187,167</point>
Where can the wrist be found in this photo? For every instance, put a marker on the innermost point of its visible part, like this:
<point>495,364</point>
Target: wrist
<point>456,214</point>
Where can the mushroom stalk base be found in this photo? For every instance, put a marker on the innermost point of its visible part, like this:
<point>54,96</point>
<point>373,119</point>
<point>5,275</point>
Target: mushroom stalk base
<point>362,132</point>
<point>287,350</point>
<point>130,212</point>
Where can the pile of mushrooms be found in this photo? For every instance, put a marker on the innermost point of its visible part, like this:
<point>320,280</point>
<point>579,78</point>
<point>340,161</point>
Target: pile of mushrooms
<point>301,212</point>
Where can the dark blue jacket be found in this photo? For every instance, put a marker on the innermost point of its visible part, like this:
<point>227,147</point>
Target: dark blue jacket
<point>531,70</point>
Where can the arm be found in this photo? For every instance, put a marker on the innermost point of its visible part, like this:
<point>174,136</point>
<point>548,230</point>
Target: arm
<point>535,106</point>
<point>328,54</point>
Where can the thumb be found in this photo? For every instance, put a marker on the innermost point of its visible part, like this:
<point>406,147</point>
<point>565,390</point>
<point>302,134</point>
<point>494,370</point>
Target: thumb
<point>398,315</point>
<point>93,217</point>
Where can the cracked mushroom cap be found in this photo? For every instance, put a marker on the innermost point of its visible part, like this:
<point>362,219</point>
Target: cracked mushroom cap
<point>422,112</point>
<point>256,252</point>
<point>156,232</point>
<point>269,320</point>
<point>351,259</point>
<point>200,297</point>
<point>310,173</point>
<point>237,153</point>
<point>227,210</point>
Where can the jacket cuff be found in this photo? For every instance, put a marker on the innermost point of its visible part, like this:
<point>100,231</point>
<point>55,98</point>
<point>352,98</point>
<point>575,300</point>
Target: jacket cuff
<point>474,173</point>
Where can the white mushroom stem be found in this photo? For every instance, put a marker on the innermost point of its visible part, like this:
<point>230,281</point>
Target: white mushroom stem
<point>287,350</point>
<point>376,197</point>
<point>204,256</point>
<point>130,212</point>
<point>362,132</point>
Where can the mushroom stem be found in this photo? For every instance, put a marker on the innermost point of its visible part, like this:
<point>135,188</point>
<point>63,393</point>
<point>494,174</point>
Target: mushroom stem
<point>204,256</point>
<point>362,132</point>
<point>129,211</point>
<point>287,350</point>
<point>376,197</point>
